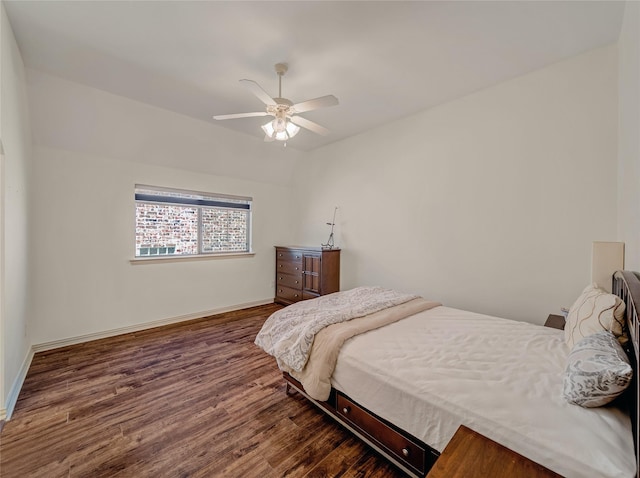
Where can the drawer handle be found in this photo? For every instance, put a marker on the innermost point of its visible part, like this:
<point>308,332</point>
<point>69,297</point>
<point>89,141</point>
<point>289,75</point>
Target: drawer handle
<point>279,278</point>
<point>296,282</point>
<point>405,452</point>
<point>280,291</point>
<point>295,295</point>
<point>346,410</point>
<point>279,265</point>
<point>279,255</point>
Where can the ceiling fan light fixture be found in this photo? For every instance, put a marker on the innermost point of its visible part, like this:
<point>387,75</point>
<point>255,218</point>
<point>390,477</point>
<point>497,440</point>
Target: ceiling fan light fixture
<point>280,124</point>
<point>268,129</point>
<point>292,129</point>
<point>280,129</point>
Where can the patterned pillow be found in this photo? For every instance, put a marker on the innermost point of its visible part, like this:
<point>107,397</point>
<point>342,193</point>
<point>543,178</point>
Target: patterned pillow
<point>597,371</point>
<point>595,310</point>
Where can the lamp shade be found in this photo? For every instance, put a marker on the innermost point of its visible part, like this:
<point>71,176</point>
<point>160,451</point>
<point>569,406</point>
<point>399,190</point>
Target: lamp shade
<point>292,129</point>
<point>606,258</point>
<point>268,129</point>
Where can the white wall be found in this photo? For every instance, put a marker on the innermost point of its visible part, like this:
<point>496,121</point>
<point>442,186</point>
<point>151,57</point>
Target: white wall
<point>488,203</point>
<point>84,216</point>
<point>84,212</point>
<point>14,217</point>
<point>629,135</point>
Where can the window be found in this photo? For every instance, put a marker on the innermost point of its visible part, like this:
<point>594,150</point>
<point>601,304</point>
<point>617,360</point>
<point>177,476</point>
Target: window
<point>172,222</point>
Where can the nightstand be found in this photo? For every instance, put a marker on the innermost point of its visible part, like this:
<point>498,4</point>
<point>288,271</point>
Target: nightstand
<point>472,455</point>
<point>555,321</point>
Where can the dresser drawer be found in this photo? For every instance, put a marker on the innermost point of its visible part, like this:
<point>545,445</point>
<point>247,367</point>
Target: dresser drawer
<point>289,267</point>
<point>396,444</point>
<point>289,280</point>
<point>288,255</point>
<point>289,294</point>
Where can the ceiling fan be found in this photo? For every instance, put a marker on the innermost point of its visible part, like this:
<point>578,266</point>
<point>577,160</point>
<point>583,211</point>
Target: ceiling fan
<point>286,123</point>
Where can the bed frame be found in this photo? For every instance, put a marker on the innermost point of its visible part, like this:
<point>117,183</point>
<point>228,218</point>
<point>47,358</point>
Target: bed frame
<point>626,285</point>
<point>416,457</point>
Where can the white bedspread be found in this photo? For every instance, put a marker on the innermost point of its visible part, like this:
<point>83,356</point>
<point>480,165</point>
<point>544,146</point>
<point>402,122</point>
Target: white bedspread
<point>444,367</point>
<point>288,334</point>
<point>315,377</point>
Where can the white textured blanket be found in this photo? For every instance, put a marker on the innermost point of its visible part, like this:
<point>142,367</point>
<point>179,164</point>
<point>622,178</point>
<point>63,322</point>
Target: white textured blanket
<point>288,334</point>
<point>315,377</point>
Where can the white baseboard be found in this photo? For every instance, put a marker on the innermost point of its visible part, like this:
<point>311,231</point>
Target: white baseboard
<point>144,326</point>
<point>12,397</point>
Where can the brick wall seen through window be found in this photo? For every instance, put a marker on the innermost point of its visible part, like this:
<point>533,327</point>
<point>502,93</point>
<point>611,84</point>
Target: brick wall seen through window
<point>175,222</point>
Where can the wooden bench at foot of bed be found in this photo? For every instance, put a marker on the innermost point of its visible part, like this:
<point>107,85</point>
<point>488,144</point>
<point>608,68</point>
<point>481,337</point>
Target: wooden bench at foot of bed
<point>472,455</point>
<point>404,450</point>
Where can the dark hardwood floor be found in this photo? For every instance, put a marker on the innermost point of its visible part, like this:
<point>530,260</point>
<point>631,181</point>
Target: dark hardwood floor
<point>196,399</point>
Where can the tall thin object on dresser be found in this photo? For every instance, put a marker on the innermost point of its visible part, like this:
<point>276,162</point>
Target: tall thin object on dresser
<point>330,242</point>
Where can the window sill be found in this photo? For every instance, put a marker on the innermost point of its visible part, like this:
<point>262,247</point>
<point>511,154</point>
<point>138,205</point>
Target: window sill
<point>198,257</point>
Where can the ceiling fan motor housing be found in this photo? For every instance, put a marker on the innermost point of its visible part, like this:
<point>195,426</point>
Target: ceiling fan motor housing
<point>281,68</point>
<point>282,108</point>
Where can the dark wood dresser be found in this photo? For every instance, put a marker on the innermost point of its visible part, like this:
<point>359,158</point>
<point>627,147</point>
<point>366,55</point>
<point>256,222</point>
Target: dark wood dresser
<point>305,273</point>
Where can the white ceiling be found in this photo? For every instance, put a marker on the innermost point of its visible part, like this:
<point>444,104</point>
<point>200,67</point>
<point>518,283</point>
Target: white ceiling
<point>383,60</point>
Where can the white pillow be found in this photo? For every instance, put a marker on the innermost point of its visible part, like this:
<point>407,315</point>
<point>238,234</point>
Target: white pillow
<point>597,372</point>
<point>595,310</point>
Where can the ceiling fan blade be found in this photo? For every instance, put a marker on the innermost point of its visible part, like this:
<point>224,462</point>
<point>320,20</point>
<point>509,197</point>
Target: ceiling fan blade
<point>257,90</point>
<point>241,115</point>
<point>310,125</point>
<point>322,102</point>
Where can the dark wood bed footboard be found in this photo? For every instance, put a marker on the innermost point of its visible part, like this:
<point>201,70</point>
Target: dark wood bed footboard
<point>404,450</point>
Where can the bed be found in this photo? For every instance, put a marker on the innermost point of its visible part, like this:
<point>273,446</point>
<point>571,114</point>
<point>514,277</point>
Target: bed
<point>406,383</point>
